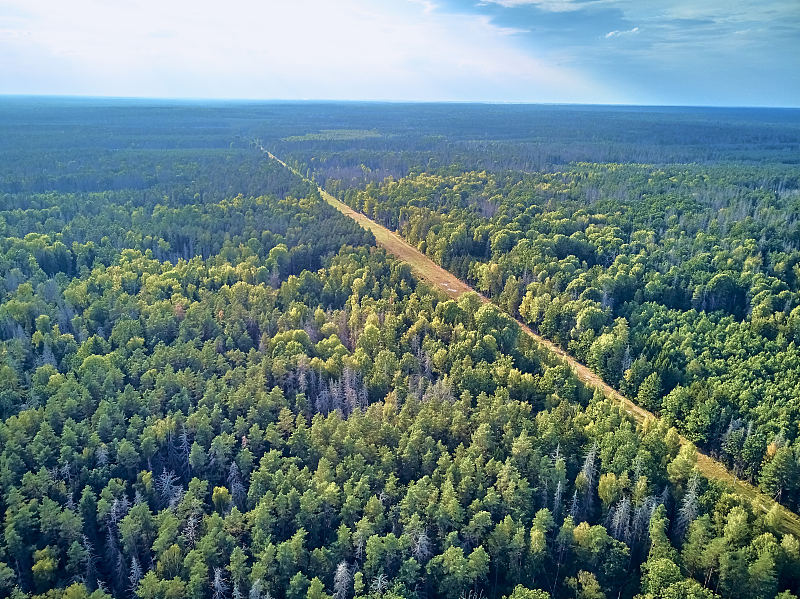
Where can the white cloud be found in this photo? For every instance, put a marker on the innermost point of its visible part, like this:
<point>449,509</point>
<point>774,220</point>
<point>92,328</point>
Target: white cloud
<point>349,49</point>
<point>612,34</point>
<point>548,5</point>
<point>427,5</point>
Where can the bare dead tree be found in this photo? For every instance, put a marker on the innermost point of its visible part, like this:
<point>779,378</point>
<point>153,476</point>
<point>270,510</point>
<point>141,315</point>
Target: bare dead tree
<point>219,586</point>
<point>135,575</point>
<point>342,581</point>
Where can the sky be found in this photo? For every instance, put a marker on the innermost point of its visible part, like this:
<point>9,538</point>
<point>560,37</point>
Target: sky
<point>680,52</point>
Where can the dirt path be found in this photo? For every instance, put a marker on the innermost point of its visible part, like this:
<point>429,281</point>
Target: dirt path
<point>427,269</point>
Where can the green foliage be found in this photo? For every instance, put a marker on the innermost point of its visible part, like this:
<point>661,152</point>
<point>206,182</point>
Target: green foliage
<point>649,274</point>
<point>212,395</point>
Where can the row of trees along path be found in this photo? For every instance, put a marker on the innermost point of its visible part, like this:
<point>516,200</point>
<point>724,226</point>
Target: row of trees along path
<point>427,269</point>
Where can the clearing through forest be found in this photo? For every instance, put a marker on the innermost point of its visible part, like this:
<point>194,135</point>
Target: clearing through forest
<point>427,269</point>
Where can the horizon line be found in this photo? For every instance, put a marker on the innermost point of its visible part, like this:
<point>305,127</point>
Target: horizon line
<point>250,100</point>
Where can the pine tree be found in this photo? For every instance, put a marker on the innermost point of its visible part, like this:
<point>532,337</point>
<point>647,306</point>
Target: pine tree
<point>219,586</point>
<point>238,491</point>
<point>256,590</point>
<point>342,580</point>
<point>420,546</point>
<point>135,575</point>
<point>620,521</point>
<point>557,499</point>
<point>689,507</point>
<point>589,472</point>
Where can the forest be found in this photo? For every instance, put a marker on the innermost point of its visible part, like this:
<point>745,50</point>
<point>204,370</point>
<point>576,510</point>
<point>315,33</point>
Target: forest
<point>678,285</point>
<point>216,386</point>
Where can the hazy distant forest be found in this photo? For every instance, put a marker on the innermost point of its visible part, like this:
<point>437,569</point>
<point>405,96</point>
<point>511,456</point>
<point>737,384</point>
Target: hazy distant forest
<point>213,385</point>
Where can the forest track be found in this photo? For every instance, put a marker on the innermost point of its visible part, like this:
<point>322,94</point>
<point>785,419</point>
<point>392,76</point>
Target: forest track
<point>427,269</point>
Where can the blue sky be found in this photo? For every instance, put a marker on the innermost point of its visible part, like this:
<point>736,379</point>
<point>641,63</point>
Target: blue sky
<point>695,52</point>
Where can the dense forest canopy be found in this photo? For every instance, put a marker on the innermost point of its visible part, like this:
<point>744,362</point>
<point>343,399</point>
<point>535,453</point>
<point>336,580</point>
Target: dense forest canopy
<point>213,385</point>
<point>678,284</point>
